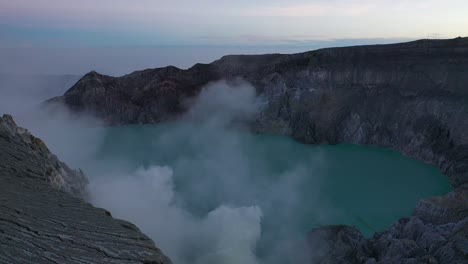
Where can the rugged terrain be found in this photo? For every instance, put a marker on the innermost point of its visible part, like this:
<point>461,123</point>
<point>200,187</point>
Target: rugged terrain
<point>411,97</point>
<point>43,217</point>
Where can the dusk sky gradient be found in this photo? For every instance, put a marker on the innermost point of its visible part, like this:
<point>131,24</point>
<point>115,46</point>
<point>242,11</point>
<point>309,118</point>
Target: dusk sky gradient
<point>287,25</point>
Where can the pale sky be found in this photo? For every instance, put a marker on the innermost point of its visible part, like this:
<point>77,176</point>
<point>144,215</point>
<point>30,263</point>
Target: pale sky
<point>216,22</point>
<point>262,25</point>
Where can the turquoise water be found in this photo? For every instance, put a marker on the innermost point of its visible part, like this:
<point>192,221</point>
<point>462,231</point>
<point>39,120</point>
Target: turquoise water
<point>297,186</point>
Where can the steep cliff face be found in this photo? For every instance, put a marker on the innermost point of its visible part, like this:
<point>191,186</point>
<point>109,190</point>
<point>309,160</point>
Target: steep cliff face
<point>43,218</point>
<point>410,97</point>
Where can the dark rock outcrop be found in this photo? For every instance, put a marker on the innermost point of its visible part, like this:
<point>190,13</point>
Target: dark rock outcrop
<point>411,97</point>
<point>437,232</point>
<point>43,218</point>
<point>45,166</point>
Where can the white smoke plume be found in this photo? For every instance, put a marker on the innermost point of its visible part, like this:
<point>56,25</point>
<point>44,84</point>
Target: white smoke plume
<point>237,191</point>
<point>227,234</point>
<point>147,198</point>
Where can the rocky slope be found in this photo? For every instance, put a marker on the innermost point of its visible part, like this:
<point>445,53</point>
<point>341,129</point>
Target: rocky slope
<point>411,97</point>
<point>43,218</point>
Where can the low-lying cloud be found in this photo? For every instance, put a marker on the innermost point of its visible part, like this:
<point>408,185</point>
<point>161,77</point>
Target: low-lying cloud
<point>225,235</point>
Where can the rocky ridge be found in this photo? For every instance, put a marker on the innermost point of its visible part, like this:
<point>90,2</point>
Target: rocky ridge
<point>43,218</point>
<point>410,97</point>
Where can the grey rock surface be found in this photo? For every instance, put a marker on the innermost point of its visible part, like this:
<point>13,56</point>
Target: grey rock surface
<point>43,218</point>
<point>411,97</point>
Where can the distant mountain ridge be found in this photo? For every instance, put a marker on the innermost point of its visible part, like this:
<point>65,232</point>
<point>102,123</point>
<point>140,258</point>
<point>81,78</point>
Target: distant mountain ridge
<point>409,96</point>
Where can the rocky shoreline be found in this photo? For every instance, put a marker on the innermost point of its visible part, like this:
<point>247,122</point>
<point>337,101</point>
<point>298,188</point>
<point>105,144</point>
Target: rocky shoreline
<point>436,233</point>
